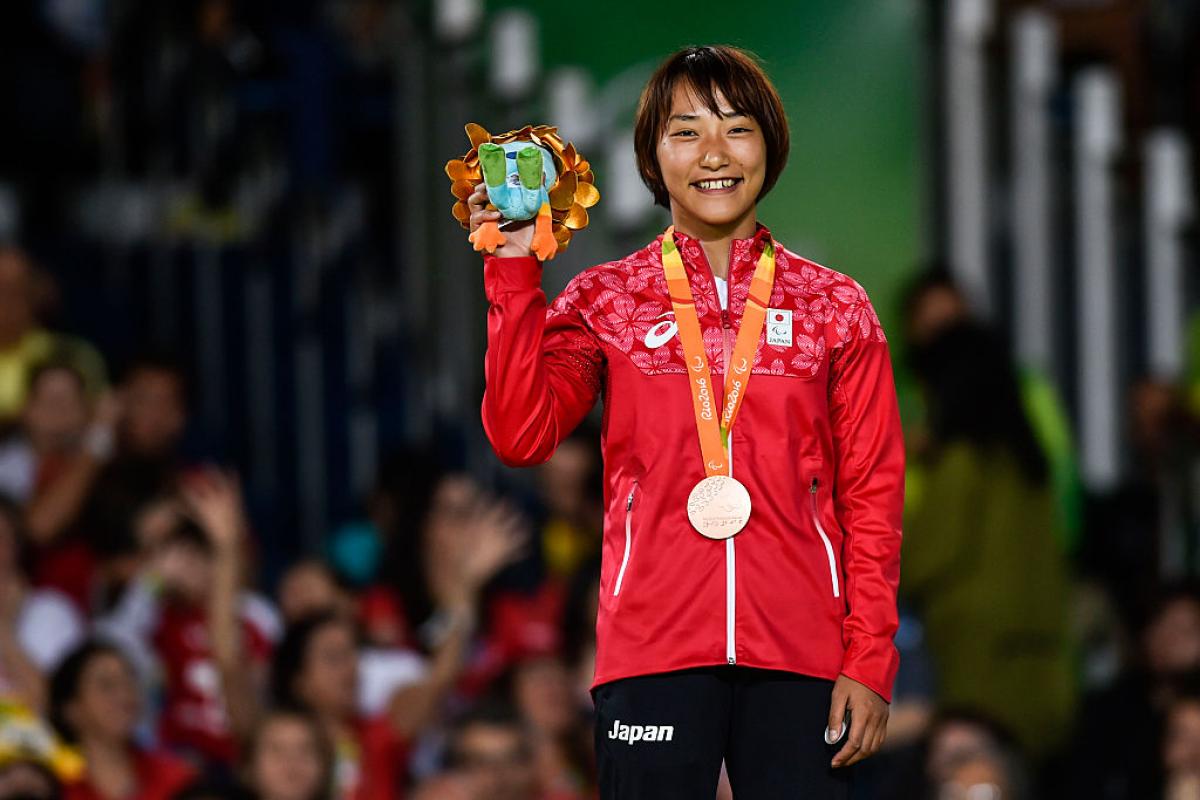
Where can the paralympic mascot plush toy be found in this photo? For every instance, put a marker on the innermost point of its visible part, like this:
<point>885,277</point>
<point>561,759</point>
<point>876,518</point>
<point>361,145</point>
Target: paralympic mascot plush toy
<point>529,173</point>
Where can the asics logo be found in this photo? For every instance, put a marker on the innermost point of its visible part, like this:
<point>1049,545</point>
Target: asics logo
<point>662,332</point>
<point>641,733</point>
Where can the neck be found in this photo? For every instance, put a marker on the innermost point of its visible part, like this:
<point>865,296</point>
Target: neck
<point>110,766</point>
<point>717,240</point>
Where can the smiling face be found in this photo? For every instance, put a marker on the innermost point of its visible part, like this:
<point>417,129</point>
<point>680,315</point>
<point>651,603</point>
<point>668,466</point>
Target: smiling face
<point>328,681</point>
<point>107,703</point>
<point>713,165</point>
<point>289,762</point>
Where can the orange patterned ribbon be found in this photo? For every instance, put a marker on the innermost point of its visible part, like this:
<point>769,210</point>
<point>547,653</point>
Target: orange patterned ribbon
<point>713,434</point>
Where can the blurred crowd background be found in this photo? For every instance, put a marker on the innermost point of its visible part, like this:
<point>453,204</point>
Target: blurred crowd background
<point>253,542</point>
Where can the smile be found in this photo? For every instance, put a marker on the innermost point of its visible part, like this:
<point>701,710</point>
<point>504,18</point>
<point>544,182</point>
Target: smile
<point>717,186</point>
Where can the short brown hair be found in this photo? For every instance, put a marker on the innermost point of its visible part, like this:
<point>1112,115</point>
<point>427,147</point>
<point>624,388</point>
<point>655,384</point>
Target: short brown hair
<point>739,77</point>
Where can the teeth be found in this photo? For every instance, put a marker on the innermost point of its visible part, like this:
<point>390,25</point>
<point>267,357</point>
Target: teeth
<point>721,184</point>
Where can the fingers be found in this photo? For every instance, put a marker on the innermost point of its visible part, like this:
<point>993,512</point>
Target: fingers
<point>854,742</point>
<point>837,711</point>
<point>477,203</point>
<point>867,732</point>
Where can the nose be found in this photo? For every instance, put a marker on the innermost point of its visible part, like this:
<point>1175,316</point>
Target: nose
<point>714,157</point>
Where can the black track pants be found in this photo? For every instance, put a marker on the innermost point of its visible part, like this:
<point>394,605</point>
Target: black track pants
<point>663,737</point>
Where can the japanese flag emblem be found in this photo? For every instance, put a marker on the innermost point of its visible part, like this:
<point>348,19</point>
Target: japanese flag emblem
<point>779,327</point>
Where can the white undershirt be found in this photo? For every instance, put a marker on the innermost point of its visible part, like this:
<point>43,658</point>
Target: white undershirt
<point>722,290</point>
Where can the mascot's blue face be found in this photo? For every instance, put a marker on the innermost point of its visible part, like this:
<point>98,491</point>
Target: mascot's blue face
<point>518,177</point>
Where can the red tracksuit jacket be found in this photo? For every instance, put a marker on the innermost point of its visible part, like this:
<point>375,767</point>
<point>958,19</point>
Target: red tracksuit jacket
<point>809,585</point>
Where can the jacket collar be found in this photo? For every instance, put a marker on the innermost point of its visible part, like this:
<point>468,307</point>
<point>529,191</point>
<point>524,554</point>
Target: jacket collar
<point>742,252</point>
<point>743,258</point>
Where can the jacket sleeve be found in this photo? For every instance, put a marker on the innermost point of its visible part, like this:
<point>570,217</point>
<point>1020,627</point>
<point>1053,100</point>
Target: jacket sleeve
<point>869,495</point>
<point>544,367</point>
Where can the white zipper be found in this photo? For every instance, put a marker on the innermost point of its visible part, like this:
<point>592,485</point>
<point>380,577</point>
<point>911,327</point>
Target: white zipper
<point>730,582</point>
<point>628,539</point>
<point>833,571</point>
<point>730,561</point>
<point>730,566</point>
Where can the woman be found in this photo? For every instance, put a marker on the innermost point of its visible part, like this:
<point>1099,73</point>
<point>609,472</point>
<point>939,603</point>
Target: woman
<point>316,669</point>
<point>982,560</point>
<point>95,703</point>
<point>317,665</point>
<point>289,758</point>
<point>750,648</point>
<point>50,465</point>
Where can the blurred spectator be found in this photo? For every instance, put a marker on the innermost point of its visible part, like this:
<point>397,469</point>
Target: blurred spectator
<point>981,560</point>
<point>571,489</point>
<point>96,704</point>
<point>24,343</point>
<point>979,778</point>
<point>491,748</point>
<point>1181,744</point>
<point>1118,735</point>
<point>37,626</point>
<point>559,732</point>
<point>1171,639</point>
<point>964,756</point>
<point>289,758</point>
<point>53,421</point>
<point>423,514</point>
<point>211,639</point>
<point>317,665</point>
<point>378,554</point>
<point>308,586</point>
<point>1146,526</point>
<point>957,738</point>
<point>316,669</point>
<point>49,465</point>
<point>142,476</point>
<point>932,303</point>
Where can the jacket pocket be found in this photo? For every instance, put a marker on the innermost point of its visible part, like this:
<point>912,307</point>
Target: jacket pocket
<point>628,538</point>
<point>816,518</point>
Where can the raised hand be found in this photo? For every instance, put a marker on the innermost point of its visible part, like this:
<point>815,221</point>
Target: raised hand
<point>496,536</point>
<point>471,537</point>
<point>213,499</point>
<point>518,237</point>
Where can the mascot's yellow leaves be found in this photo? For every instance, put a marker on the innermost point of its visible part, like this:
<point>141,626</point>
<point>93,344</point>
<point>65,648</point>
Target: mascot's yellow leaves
<point>544,179</point>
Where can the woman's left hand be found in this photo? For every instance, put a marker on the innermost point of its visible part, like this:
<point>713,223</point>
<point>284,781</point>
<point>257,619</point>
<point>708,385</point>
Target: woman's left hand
<point>868,720</point>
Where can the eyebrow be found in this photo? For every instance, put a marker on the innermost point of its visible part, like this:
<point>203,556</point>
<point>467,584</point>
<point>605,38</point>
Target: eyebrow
<point>690,117</point>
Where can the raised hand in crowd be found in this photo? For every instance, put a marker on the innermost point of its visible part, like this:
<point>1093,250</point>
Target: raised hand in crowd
<point>470,537</point>
<point>52,510</point>
<point>212,498</point>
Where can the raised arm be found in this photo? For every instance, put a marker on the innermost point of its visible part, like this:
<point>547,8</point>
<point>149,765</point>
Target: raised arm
<point>544,367</point>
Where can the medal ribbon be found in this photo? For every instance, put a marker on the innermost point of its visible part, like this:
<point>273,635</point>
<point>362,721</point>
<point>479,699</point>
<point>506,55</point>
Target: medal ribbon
<point>713,434</point>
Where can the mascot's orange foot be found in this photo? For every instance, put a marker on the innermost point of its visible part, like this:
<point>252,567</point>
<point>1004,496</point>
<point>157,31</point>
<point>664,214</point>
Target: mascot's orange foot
<point>487,237</point>
<point>544,245</point>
